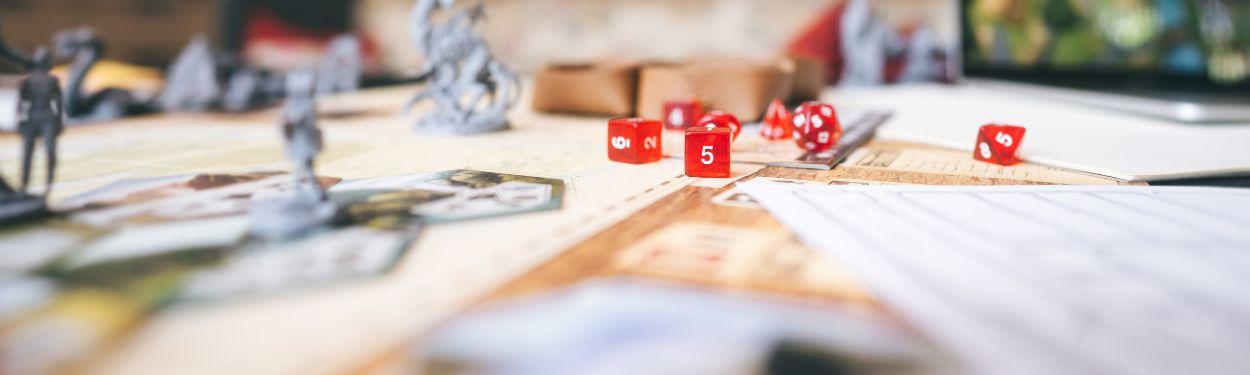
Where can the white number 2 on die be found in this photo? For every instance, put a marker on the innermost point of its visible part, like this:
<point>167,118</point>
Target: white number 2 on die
<point>1003,139</point>
<point>707,155</point>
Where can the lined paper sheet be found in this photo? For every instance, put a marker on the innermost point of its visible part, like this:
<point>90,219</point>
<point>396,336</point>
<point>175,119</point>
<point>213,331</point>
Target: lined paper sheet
<point>1050,279</point>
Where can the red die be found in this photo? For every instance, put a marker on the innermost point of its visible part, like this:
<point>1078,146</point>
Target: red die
<point>707,151</point>
<point>634,140</point>
<point>718,119</point>
<point>680,114</point>
<point>776,124</point>
<point>998,144</point>
<point>816,126</point>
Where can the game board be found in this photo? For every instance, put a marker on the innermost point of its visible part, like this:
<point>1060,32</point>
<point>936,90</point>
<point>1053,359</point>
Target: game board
<point>612,215</point>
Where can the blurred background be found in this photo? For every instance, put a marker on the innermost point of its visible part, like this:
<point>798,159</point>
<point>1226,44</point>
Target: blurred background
<point>283,33</point>
<point>1207,38</point>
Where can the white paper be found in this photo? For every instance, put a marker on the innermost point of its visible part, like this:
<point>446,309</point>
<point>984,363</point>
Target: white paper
<point>1088,139</point>
<point>1050,279</point>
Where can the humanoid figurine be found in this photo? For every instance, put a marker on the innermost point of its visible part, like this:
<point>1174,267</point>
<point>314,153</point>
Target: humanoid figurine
<point>39,113</point>
<point>191,83</point>
<point>85,47</point>
<point>303,138</point>
<point>864,42</point>
<point>342,67</point>
<point>307,208</point>
<point>460,74</point>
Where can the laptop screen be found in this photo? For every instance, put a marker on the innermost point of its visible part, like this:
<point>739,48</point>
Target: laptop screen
<point>1194,43</point>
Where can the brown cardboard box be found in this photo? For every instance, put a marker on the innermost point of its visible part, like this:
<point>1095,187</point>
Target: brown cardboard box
<point>809,79</point>
<point>606,88</point>
<point>741,87</point>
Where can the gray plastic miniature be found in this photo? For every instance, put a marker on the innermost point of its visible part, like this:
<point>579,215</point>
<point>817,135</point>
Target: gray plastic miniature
<point>306,208</point>
<point>864,41</point>
<point>471,91</point>
<point>39,113</point>
<point>85,47</point>
<point>341,67</point>
<point>191,83</point>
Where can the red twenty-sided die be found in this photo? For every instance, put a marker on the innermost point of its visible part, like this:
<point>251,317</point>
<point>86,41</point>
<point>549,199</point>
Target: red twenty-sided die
<point>998,144</point>
<point>776,124</point>
<point>718,119</point>
<point>634,140</point>
<point>681,114</point>
<point>816,126</point>
<point>707,151</point>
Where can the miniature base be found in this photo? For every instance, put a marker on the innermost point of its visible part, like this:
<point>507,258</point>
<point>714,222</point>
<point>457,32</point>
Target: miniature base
<point>441,125</point>
<point>21,207</point>
<point>284,218</point>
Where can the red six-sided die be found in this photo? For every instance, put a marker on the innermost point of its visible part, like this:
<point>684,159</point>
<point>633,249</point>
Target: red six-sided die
<point>707,151</point>
<point>634,140</point>
<point>718,119</point>
<point>776,124</point>
<point>681,114</point>
<point>998,144</point>
<point>816,126</point>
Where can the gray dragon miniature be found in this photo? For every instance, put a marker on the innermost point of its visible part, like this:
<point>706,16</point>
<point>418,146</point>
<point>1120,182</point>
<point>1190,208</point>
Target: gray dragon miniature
<point>470,89</point>
<point>85,47</point>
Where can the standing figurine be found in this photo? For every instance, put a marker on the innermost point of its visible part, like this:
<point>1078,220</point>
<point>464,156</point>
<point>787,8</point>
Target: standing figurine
<point>17,205</point>
<point>39,113</point>
<point>191,83</point>
<point>307,208</point>
<point>460,74</point>
<point>303,138</point>
<point>341,67</point>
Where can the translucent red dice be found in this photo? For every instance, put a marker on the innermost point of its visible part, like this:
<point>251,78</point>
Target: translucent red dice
<point>718,119</point>
<point>816,126</point>
<point>681,114</point>
<point>998,143</point>
<point>707,151</point>
<point>634,140</point>
<point>776,124</point>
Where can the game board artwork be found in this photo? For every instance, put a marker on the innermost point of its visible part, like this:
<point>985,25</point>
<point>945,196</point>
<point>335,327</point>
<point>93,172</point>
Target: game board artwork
<point>469,88</point>
<point>448,196</point>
